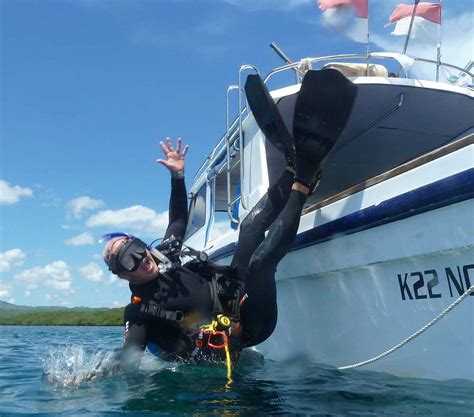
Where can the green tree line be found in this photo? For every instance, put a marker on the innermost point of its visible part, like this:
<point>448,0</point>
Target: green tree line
<point>90,317</point>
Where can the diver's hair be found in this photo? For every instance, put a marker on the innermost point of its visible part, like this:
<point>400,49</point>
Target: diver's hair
<point>108,249</point>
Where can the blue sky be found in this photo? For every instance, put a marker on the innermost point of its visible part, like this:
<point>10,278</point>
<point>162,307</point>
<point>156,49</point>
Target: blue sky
<point>89,87</point>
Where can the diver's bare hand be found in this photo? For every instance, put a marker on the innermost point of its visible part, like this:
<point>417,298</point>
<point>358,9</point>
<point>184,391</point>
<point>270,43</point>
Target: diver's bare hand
<point>174,157</point>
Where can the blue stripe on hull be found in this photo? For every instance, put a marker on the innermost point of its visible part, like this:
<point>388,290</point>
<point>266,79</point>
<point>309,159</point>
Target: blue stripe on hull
<point>450,190</point>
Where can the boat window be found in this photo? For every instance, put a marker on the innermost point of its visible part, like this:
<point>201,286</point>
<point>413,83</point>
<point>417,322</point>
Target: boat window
<point>222,222</point>
<point>197,212</point>
<point>220,186</point>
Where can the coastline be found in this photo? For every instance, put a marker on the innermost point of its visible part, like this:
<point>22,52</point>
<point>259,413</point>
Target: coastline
<point>65,317</point>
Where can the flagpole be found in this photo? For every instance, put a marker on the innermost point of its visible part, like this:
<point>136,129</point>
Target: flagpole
<point>438,57</point>
<point>368,53</point>
<point>411,26</point>
<point>368,41</point>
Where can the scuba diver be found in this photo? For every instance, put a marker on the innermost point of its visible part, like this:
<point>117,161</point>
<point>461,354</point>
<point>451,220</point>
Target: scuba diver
<point>201,311</point>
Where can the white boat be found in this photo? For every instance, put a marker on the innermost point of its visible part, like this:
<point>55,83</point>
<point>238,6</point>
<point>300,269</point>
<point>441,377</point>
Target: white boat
<point>387,241</point>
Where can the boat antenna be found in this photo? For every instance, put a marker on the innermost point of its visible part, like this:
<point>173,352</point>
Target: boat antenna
<point>280,53</point>
<point>410,27</point>
<point>285,58</point>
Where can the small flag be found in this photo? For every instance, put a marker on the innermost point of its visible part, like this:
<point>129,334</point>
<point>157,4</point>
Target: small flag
<point>426,23</point>
<point>347,16</point>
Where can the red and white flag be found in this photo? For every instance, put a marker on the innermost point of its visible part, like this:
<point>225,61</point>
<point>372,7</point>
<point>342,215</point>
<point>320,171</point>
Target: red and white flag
<point>347,16</point>
<point>426,23</point>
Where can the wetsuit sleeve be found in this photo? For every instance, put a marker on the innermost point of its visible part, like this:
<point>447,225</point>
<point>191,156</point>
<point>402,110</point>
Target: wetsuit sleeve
<point>135,329</point>
<point>178,209</point>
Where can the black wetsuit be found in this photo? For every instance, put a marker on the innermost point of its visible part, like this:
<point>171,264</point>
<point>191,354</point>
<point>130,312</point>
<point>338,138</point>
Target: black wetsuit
<point>255,262</point>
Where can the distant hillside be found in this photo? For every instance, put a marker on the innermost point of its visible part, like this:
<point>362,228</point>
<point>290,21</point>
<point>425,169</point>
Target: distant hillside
<point>7,309</point>
<point>11,314</point>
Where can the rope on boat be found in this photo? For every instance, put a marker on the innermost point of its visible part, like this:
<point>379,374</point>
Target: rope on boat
<point>417,333</point>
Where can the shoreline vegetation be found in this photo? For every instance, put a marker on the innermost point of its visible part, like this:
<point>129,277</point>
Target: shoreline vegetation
<point>59,316</point>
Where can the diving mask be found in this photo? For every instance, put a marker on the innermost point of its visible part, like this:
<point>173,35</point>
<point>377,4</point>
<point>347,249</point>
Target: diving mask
<point>129,257</point>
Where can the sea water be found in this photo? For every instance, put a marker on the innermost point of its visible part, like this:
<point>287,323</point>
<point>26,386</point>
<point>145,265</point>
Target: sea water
<point>44,370</point>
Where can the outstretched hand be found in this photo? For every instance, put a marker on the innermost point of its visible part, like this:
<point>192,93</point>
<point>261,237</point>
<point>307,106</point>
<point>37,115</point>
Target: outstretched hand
<point>174,157</point>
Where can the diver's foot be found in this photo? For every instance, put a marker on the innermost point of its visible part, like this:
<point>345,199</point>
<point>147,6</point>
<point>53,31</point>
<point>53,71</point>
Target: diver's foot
<point>268,117</point>
<point>322,109</point>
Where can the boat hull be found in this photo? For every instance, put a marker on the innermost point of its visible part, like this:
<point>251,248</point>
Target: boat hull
<point>386,242</point>
<point>367,271</point>
<point>344,316</point>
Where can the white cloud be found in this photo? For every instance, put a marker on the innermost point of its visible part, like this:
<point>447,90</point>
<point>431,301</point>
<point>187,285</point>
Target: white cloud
<point>92,272</point>
<point>27,293</point>
<point>78,206</point>
<point>5,290</point>
<point>12,194</point>
<point>113,279</point>
<point>80,240</point>
<point>457,48</point>
<point>11,258</point>
<point>55,275</point>
<point>48,196</point>
<point>253,5</point>
<point>136,219</point>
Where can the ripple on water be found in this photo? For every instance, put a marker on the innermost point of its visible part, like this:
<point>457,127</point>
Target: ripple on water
<point>45,377</point>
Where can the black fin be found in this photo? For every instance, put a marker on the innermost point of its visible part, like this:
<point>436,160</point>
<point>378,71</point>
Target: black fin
<point>322,109</point>
<point>268,117</point>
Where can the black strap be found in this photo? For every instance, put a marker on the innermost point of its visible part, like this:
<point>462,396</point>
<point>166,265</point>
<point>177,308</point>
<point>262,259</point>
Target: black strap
<point>217,307</point>
<point>216,289</point>
<point>155,311</point>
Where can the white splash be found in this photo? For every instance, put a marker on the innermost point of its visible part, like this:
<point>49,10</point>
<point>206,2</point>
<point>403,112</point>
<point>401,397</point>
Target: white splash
<point>72,365</point>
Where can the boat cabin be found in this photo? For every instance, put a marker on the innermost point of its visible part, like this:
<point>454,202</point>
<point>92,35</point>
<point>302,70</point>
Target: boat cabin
<point>397,122</point>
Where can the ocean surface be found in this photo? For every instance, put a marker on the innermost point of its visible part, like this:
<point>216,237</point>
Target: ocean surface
<point>43,372</point>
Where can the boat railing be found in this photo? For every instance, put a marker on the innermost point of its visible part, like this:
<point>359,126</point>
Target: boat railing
<point>230,200</point>
<point>233,137</point>
<point>376,55</point>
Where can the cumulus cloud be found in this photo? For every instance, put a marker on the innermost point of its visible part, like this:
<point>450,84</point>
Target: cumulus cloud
<point>55,275</point>
<point>113,279</point>
<point>5,290</point>
<point>80,240</point>
<point>135,219</point>
<point>55,299</point>
<point>11,258</point>
<point>48,196</point>
<point>92,272</point>
<point>77,207</point>
<point>253,5</point>
<point>457,36</point>
<point>11,194</point>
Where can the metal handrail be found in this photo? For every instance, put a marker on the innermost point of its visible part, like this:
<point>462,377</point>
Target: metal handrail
<point>361,56</point>
<point>241,133</point>
<point>229,191</point>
